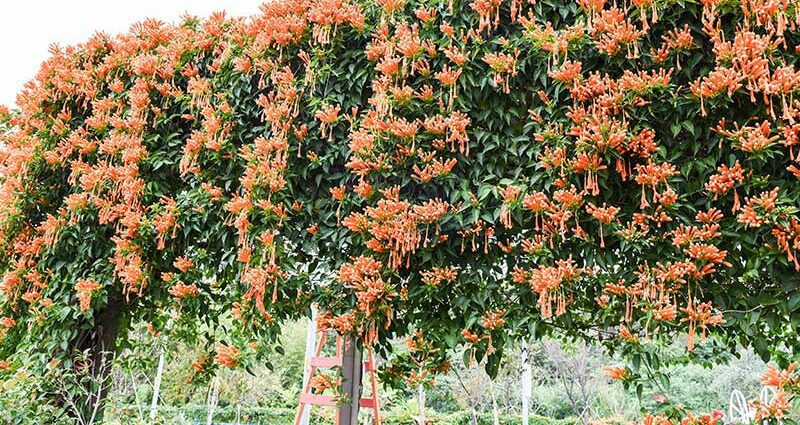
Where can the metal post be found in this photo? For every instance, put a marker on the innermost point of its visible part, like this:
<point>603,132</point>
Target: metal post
<point>351,383</point>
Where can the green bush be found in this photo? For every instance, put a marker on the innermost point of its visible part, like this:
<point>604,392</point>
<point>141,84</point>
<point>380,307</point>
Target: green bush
<point>195,413</point>
<point>486,418</point>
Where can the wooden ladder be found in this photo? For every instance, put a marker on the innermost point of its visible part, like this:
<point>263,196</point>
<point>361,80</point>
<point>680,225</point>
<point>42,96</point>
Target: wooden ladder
<point>308,398</point>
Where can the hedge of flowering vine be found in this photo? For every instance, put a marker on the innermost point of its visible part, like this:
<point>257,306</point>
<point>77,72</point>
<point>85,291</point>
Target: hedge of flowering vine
<point>464,172</point>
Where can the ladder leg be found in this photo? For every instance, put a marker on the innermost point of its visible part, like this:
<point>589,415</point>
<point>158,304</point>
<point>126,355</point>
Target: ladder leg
<point>339,355</point>
<point>307,387</point>
<point>352,369</point>
<point>376,419</point>
<point>312,334</point>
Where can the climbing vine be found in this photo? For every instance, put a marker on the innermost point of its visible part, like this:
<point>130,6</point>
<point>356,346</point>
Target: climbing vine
<point>464,173</point>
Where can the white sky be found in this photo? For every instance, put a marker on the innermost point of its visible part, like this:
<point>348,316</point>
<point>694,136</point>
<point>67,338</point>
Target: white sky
<point>28,27</point>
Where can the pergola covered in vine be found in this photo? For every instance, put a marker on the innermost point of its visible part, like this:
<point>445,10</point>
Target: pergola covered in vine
<point>470,172</point>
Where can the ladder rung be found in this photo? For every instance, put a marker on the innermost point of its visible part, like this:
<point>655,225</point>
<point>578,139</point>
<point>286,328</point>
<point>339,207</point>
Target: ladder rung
<point>326,361</point>
<point>334,362</point>
<point>318,400</point>
<point>367,403</point>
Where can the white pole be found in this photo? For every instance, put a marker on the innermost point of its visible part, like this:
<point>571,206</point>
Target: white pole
<point>526,383</point>
<point>421,402</point>
<point>212,405</point>
<point>157,387</point>
<point>139,408</point>
<point>525,410</point>
<point>311,342</point>
<point>495,412</point>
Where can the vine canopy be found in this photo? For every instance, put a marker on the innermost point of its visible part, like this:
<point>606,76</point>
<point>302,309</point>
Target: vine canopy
<point>470,172</point>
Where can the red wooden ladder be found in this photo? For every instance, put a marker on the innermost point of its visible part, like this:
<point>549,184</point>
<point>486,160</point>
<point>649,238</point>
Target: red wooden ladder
<point>308,398</point>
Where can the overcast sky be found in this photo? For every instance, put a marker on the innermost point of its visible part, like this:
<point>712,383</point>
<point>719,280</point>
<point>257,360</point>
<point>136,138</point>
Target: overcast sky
<point>28,27</point>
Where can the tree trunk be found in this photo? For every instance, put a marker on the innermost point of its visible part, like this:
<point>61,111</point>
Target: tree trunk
<point>99,343</point>
<point>351,383</point>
